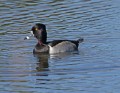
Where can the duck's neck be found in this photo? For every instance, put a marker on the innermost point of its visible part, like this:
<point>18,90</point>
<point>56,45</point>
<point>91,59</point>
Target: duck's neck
<point>42,40</point>
<point>43,37</point>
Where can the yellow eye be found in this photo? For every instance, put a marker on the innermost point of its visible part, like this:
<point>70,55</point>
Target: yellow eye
<point>36,29</point>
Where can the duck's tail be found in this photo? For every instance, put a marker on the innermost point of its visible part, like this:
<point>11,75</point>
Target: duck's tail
<point>80,40</point>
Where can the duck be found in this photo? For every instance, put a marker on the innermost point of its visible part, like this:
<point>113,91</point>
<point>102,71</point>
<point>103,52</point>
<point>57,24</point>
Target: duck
<point>52,47</point>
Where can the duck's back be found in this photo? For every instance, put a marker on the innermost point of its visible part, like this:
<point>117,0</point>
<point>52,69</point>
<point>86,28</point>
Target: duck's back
<point>58,46</point>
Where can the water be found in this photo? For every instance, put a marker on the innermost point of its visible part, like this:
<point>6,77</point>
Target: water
<point>95,68</point>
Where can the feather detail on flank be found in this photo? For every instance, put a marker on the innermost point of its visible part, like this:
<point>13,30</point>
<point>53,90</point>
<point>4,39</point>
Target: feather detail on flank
<point>64,46</point>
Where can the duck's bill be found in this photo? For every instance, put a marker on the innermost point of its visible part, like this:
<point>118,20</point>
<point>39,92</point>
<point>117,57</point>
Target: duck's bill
<point>28,37</point>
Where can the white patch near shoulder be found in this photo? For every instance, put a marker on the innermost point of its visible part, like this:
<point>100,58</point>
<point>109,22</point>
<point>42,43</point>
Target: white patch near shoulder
<point>64,46</point>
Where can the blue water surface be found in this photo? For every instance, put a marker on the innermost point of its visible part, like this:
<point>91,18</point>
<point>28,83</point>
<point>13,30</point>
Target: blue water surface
<point>94,69</point>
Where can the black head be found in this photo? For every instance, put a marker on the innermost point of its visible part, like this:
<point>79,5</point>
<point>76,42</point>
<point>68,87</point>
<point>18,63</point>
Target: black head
<point>39,31</point>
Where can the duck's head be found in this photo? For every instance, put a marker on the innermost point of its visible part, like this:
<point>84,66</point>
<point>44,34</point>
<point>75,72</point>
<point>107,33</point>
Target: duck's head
<point>39,31</point>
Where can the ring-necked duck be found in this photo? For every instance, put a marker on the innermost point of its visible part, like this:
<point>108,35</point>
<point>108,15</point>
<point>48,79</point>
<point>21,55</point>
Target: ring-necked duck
<point>56,46</point>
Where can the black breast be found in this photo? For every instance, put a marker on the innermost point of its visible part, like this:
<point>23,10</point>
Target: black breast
<point>41,48</point>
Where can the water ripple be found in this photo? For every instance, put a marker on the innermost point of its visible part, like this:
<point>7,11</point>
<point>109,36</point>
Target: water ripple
<point>94,68</point>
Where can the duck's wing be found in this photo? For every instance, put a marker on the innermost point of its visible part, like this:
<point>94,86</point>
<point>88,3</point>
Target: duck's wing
<point>58,46</point>
<point>55,42</point>
<point>61,46</point>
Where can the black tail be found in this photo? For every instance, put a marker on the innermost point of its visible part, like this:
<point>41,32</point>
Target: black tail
<point>80,40</point>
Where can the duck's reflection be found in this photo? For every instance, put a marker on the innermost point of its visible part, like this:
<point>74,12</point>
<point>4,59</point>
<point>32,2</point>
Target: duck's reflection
<point>42,64</point>
<point>42,68</point>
